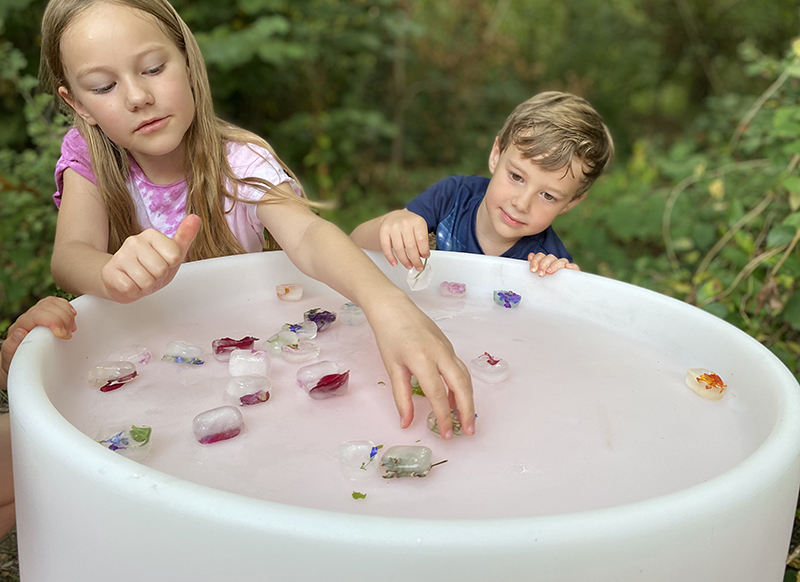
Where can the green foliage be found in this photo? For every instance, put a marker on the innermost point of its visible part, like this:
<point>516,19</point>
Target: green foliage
<point>712,220</point>
<point>27,213</point>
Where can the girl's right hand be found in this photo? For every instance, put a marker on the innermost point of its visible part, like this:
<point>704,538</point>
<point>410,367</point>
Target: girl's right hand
<point>148,261</point>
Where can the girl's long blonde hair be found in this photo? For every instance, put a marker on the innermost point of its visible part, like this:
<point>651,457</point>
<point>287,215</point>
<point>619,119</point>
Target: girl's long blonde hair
<point>206,164</point>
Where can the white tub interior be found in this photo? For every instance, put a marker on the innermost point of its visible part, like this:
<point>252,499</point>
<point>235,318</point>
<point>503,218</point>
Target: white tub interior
<point>594,422</point>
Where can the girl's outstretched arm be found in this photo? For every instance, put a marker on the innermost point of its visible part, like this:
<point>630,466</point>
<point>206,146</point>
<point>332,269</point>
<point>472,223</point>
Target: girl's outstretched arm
<point>409,342</point>
<point>81,264</point>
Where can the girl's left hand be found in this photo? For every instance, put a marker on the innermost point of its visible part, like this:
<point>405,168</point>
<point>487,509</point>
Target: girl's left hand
<point>542,264</point>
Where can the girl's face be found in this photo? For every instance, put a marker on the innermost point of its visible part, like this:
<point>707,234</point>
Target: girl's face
<point>127,77</point>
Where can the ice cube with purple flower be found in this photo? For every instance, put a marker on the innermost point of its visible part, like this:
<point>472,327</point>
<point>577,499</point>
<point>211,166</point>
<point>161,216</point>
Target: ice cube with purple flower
<point>324,319</point>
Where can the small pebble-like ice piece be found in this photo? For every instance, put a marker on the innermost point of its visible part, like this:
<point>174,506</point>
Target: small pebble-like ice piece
<point>323,380</point>
<point>406,461</point>
<point>276,342</point>
<point>706,383</point>
<point>323,319</point>
<point>489,369</point>
<point>109,376</point>
<point>135,354</point>
<point>247,390</point>
<point>182,352</point>
<point>222,348</point>
<point>289,291</point>
<point>419,280</point>
<point>217,424</point>
<point>507,299</point>
<point>452,289</point>
<point>130,441</point>
<point>351,314</point>
<point>358,459</point>
<point>249,363</point>
<point>434,426</point>
<point>300,352</point>
<point>307,330</point>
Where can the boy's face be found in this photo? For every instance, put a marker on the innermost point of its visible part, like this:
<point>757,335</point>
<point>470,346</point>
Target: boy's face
<point>522,198</point>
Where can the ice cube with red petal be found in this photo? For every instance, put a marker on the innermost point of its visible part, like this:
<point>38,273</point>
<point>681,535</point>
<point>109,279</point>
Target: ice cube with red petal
<point>247,390</point>
<point>109,376</point>
<point>322,379</point>
<point>217,424</point>
<point>222,348</point>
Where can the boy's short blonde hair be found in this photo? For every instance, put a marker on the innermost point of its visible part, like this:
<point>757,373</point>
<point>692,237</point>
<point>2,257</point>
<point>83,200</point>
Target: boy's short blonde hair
<point>552,128</point>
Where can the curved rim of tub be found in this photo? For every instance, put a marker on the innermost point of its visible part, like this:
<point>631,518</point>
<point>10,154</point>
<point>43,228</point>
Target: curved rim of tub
<point>777,455</point>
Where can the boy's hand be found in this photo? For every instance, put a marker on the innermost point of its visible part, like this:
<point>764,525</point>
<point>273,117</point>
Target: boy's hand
<point>148,261</point>
<point>404,235</point>
<point>542,264</point>
<point>53,312</point>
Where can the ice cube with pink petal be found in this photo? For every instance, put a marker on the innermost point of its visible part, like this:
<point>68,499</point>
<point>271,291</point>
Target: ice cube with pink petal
<point>247,390</point>
<point>489,369</point>
<point>217,424</point>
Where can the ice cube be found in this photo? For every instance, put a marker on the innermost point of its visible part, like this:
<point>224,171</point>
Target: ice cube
<point>130,441</point>
<point>489,369</point>
<point>358,459</point>
<point>300,352</point>
<point>351,314</point>
<point>323,380</point>
<point>507,299</point>
<point>276,342</point>
<point>182,352</point>
<point>323,319</point>
<point>449,289</point>
<point>419,280</point>
<point>109,376</point>
<point>289,291</point>
<point>306,330</point>
<point>406,461</point>
<point>217,424</point>
<point>247,390</point>
<point>434,426</point>
<point>222,348</point>
<point>706,383</point>
<point>249,363</point>
<point>135,354</point>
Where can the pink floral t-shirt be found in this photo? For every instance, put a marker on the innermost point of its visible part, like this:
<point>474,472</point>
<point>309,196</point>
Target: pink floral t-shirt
<point>163,207</point>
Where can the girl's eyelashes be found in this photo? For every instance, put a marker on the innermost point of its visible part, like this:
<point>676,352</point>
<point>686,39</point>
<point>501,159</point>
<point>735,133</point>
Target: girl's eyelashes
<point>101,90</point>
<point>154,70</point>
<point>547,196</point>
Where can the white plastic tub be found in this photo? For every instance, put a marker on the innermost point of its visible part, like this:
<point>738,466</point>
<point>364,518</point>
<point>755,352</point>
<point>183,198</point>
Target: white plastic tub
<point>592,461</point>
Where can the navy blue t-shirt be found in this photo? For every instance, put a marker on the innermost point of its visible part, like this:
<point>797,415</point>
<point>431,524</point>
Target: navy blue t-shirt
<point>450,207</point>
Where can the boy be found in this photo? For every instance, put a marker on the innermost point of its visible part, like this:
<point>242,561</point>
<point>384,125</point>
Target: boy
<point>549,152</point>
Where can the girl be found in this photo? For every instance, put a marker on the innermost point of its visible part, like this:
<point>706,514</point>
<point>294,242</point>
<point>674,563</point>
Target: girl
<point>150,176</point>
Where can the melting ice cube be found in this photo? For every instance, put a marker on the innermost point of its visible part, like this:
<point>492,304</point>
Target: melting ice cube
<point>306,330</point>
<point>351,314</point>
<point>419,280</point>
<point>705,383</point>
<point>289,291</point>
<point>182,352</point>
<point>276,342</point>
<point>247,390</point>
<point>135,354</point>
<point>323,380</point>
<point>434,426</point>
<point>130,441</point>
<point>217,424</point>
<point>453,289</point>
<point>109,376</point>
<point>223,347</point>
<point>489,369</point>
<point>507,299</point>
<point>323,319</point>
<point>406,461</point>
<point>300,352</point>
<point>358,459</point>
<point>249,363</point>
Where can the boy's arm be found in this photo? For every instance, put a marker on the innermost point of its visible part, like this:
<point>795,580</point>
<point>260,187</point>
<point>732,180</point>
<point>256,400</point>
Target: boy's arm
<point>80,264</point>
<point>401,234</point>
<point>409,342</point>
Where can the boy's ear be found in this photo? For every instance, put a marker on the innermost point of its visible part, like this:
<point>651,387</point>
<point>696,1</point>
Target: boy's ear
<point>494,156</point>
<point>573,203</point>
<point>76,105</point>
